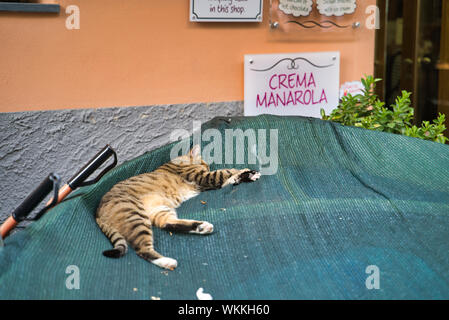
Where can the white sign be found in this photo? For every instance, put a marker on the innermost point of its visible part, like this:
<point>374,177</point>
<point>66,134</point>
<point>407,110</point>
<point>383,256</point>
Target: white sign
<point>292,84</point>
<point>336,7</point>
<point>226,10</point>
<point>296,7</point>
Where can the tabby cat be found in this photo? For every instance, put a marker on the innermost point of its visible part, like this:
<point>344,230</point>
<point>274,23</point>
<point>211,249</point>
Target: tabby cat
<point>128,211</point>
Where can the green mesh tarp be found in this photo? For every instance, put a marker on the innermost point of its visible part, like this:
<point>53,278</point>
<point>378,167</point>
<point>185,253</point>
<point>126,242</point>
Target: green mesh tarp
<point>342,199</point>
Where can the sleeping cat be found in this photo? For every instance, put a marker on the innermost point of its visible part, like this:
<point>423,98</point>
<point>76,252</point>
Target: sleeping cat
<point>128,211</point>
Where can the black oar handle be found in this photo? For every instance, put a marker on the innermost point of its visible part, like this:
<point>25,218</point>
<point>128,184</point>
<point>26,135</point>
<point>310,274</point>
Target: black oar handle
<point>79,179</point>
<point>35,197</point>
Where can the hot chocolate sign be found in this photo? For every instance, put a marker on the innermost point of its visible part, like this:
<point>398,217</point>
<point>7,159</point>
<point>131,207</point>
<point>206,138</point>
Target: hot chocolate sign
<point>328,8</point>
<point>292,84</point>
<point>296,7</point>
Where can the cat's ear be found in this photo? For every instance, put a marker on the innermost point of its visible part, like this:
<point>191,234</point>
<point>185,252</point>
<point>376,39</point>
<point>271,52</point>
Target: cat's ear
<point>196,151</point>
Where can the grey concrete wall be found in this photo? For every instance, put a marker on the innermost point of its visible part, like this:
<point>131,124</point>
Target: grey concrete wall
<point>33,144</point>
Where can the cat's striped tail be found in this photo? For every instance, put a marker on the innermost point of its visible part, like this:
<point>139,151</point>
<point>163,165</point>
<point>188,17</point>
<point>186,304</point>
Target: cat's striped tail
<point>118,241</point>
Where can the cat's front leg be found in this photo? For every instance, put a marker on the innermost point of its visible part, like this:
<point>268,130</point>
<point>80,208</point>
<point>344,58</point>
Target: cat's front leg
<point>221,178</point>
<point>245,175</point>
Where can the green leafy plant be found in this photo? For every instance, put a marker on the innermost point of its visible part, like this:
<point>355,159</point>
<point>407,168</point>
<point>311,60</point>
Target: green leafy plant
<point>367,111</point>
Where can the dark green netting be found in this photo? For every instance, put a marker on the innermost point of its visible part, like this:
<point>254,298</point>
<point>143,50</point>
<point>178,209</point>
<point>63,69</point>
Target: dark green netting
<point>342,199</point>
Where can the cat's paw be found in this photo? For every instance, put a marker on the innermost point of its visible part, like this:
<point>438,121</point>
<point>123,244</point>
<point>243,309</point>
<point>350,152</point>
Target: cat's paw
<point>249,176</point>
<point>204,228</point>
<point>245,175</point>
<point>234,180</point>
<point>166,263</point>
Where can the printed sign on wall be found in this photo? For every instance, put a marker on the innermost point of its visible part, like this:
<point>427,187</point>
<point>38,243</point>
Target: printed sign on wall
<point>292,84</point>
<point>226,10</point>
<point>336,8</point>
<point>296,7</point>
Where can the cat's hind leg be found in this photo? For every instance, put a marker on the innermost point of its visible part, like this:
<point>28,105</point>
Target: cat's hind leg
<point>141,240</point>
<point>166,218</point>
<point>190,226</point>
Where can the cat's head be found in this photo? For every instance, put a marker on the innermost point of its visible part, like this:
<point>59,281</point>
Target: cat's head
<point>192,157</point>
